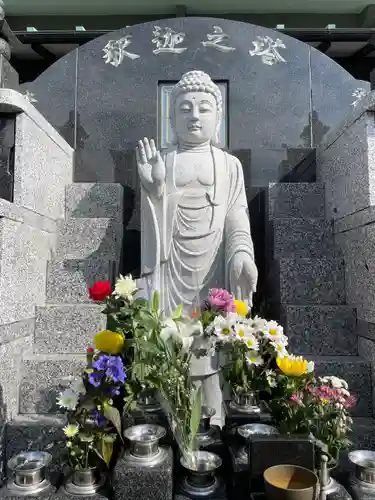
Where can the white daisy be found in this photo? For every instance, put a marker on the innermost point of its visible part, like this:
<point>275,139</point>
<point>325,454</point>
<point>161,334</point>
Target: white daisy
<point>280,349</point>
<point>253,359</point>
<point>223,328</point>
<point>68,399</point>
<point>259,324</point>
<point>310,366</point>
<point>274,331</point>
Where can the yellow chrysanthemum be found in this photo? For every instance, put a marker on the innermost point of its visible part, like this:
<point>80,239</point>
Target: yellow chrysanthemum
<point>109,342</point>
<point>292,366</point>
<point>241,308</point>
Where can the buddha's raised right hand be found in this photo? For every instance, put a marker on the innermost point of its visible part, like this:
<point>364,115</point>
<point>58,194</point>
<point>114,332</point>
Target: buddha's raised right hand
<point>151,166</point>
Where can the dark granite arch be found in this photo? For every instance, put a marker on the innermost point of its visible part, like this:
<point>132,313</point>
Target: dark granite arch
<point>102,110</point>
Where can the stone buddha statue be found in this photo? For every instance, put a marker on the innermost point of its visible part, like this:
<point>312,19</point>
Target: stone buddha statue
<point>195,223</point>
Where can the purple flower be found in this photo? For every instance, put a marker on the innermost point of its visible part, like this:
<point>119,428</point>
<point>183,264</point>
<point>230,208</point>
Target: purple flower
<point>112,366</point>
<point>100,419</point>
<point>112,391</point>
<point>221,299</point>
<point>95,378</point>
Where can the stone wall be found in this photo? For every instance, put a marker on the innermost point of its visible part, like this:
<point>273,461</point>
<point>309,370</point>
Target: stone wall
<point>43,165</point>
<point>346,166</point>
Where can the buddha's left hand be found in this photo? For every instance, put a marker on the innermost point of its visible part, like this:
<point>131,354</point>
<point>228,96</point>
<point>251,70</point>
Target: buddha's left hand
<point>243,275</point>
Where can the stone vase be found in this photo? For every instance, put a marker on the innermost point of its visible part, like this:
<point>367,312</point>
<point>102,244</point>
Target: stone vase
<point>85,477</point>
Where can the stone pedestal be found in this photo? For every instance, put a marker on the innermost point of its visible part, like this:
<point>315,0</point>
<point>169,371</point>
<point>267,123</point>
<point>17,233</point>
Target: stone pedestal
<point>214,442</point>
<point>143,482</point>
<point>219,494</point>
<point>235,418</point>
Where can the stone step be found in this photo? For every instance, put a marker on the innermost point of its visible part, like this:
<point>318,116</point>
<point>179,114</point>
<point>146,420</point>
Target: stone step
<point>323,330</point>
<point>301,237</point>
<point>303,281</point>
<point>43,376</point>
<point>99,200</point>
<point>67,328</point>
<point>301,199</point>
<point>89,238</point>
<point>356,371</point>
<point>68,280</point>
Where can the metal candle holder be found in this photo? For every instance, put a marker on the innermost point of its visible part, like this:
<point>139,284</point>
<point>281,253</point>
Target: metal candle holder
<point>245,402</point>
<point>85,482</point>
<point>200,479</point>
<point>148,401</point>
<point>29,473</point>
<point>247,431</point>
<point>364,462</point>
<point>144,449</point>
<point>205,431</point>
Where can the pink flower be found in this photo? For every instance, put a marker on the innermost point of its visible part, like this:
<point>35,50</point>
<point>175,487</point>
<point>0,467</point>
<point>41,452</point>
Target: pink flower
<point>296,398</point>
<point>219,298</point>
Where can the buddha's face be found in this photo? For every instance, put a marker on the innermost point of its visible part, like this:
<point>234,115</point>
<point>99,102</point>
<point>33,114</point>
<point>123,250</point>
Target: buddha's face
<point>196,117</point>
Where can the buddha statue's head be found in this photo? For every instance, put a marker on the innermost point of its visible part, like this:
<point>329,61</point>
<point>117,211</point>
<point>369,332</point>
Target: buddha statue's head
<point>196,109</point>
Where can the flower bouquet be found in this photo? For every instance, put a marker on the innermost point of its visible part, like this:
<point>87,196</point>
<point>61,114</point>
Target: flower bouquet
<point>249,345</point>
<point>139,349</point>
<point>330,403</point>
<point>315,406</point>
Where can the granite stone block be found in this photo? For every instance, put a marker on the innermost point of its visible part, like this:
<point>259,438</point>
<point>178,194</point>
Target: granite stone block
<point>358,246</point>
<point>306,281</point>
<point>2,450</point>
<point>68,280</point>
<point>322,330</point>
<point>43,377</point>
<point>41,169</point>
<point>302,238</point>
<point>299,200</point>
<point>17,330</point>
<point>366,349</point>
<point>24,252</point>
<point>86,200</point>
<point>42,435</point>
<point>363,433</point>
<point>29,217</point>
<point>146,483</point>
<point>11,355</point>
<point>89,238</point>
<point>57,105</point>
<point>67,329</point>
<point>356,371</point>
<point>346,168</point>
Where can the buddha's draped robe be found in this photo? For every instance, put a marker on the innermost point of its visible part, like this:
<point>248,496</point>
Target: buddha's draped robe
<point>191,234</point>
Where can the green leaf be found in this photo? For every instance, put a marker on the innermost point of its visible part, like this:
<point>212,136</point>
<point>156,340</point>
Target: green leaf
<point>147,347</point>
<point>155,302</point>
<point>177,312</point>
<point>196,413</point>
<point>113,415</point>
<point>107,450</point>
